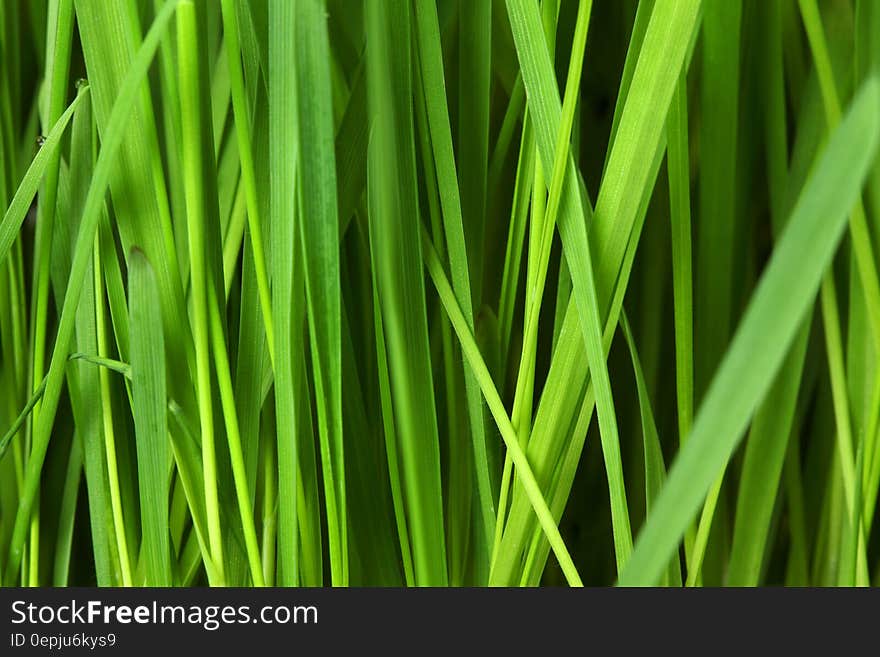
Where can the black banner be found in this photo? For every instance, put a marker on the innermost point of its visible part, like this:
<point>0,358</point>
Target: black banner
<point>393,621</point>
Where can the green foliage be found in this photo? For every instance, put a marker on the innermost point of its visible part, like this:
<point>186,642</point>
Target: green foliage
<point>327,292</point>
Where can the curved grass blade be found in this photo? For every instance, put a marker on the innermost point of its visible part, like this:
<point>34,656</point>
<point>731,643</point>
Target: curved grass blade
<point>21,418</point>
<point>107,363</point>
<point>27,189</point>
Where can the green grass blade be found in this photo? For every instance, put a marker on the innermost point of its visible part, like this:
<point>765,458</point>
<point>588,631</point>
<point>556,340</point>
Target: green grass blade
<point>678,167</point>
<point>373,541</point>
<point>191,118</point>
<point>21,418</point>
<point>391,449</point>
<point>678,163</point>
<point>481,372</point>
<point>111,40</point>
<point>655,467</point>
<point>319,228</point>
<point>67,515</point>
<point>394,230</point>
<point>525,171</point>
<point>798,558</point>
<point>474,74</point>
<point>91,330</point>
<point>351,150</point>
<point>252,363</point>
<point>636,39</point>
<point>112,138</point>
<point>785,291</point>
<point>621,206</point>
<point>27,189</point>
<point>452,204</point>
<point>189,468</point>
<point>148,408</point>
<point>769,437</point>
<point>83,384</point>
<point>861,237</point>
<point>577,249</point>
<point>762,467</point>
<point>241,109</point>
<point>282,149</point>
<point>458,464</point>
<point>717,223</point>
<point>60,24</point>
<point>630,163</point>
<point>565,403</point>
<point>842,419</point>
